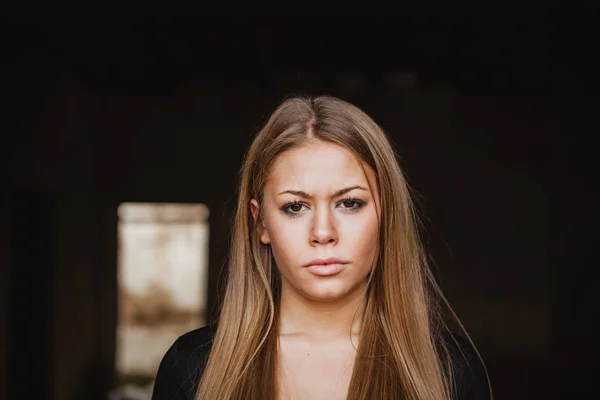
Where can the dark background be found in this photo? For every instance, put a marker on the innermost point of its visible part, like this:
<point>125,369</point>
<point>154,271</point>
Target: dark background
<point>490,120</point>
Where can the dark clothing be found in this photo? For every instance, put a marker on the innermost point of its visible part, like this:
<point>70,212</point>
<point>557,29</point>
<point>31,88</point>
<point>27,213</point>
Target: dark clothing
<point>183,364</point>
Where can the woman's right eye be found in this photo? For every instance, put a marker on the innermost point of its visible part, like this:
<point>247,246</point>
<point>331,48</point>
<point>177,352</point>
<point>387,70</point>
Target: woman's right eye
<point>296,207</point>
<point>292,209</point>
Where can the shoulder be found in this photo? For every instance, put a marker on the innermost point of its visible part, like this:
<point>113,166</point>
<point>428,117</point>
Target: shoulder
<point>197,339</point>
<point>468,371</point>
<point>183,364</point>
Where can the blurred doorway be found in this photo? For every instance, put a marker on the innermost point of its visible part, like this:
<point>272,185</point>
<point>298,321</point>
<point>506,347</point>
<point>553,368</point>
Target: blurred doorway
<point>162,286</point>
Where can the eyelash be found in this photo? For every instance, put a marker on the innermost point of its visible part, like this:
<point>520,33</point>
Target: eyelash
<point>359,204</point>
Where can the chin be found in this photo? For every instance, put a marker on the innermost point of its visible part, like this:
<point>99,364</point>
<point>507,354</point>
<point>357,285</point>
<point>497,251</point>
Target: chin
<point>327,292</point>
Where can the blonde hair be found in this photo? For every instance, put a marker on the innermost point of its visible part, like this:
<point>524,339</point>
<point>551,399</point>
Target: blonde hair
<point>400,354</point>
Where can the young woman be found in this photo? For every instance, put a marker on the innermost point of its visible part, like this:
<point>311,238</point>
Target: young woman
<point>328,294</point>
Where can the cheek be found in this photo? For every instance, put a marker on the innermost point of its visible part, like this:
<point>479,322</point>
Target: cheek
<point>287,238</point>
<point>364,236</point>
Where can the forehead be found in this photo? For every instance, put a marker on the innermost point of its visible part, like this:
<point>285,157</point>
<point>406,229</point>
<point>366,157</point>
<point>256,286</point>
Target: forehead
<point>318,166</point>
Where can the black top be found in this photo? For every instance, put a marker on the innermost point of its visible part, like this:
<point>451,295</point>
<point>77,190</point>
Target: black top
<point>183,364</point>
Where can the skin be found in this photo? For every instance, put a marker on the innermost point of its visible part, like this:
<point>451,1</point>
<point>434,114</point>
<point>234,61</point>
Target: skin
<point>320,315</point>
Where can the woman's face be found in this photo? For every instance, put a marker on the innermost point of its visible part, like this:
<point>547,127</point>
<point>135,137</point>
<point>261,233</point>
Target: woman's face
<point>317,206</point>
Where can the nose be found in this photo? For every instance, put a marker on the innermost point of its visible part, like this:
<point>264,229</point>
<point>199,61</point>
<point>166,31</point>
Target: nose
<point>323,229</point>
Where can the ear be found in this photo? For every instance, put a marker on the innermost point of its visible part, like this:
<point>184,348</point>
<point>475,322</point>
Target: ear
<point>262,229</point>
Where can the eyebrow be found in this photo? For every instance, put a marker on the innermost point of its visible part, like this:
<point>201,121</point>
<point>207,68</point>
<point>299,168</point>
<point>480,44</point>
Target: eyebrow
<point>308,196</point>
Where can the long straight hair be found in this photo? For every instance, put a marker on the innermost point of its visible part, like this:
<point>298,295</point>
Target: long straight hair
<point>400,354</point>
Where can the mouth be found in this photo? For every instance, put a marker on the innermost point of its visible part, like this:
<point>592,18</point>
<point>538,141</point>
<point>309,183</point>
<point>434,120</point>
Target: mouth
<point>325,266</point>
<point>325,270</point>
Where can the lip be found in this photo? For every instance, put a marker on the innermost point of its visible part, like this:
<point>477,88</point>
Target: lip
<point>325,261</point>
<point>325,266</point>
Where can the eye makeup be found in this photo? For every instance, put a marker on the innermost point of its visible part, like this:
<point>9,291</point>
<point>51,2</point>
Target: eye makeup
<point>294,209</point>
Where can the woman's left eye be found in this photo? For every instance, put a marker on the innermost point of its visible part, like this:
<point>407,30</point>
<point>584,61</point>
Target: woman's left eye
<point>351,204</point>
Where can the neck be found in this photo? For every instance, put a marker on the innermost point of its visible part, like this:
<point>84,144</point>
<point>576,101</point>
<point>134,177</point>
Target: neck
<point>300,315</point>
